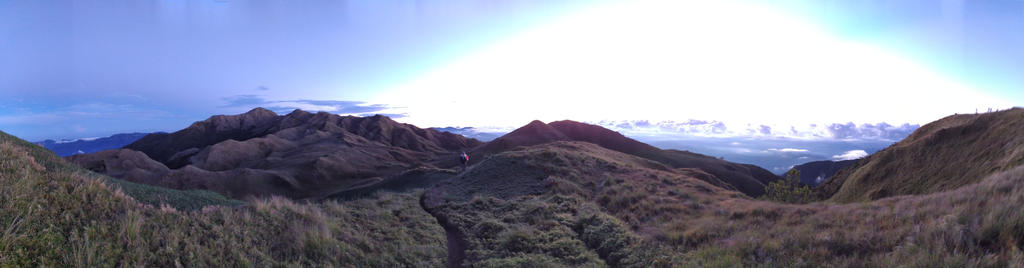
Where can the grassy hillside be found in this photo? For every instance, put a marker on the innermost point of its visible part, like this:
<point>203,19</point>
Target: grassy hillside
<point>943,155</point>
<point>748,179</point>
<point>569,204</point>
<point>576,204</point>
<point>561,204</point>
<point>54,215</point>
<point>147,194</point>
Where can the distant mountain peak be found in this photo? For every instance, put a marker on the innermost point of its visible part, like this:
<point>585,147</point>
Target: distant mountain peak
<point>261,111</point>
<point>534,123</point>
<point>748,179</point>
<point>535,132</point>
<point>298,112</point>
<point>259,114</point>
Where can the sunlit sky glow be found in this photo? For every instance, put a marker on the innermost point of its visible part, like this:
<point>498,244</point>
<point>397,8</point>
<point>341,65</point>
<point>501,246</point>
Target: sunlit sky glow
<point>664,60</point>
<point>87,69</point>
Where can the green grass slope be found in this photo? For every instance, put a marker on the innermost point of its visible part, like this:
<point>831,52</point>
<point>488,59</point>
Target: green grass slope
<point>943,155</point>
<point>147,194</point>
<point>569,203</point>
<point>561,204</point>
<point>574,204</point>
<point>54,215</point>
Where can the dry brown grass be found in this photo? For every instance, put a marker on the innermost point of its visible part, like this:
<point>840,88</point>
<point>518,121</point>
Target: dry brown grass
<point>591,207</point>
<point>53,217</point>
<point>976,225</point>
<point>664,219</point>
<point>943,155</point>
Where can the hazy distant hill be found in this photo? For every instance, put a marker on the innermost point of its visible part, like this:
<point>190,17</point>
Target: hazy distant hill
<point>817,172</point>
<point>90,145</point>
<point>298,155</point>
<point>946,154</point>
<point>470,132</point>
<point>748,179</point>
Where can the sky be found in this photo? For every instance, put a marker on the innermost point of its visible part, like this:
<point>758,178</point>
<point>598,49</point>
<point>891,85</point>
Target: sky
<point>72,69</point>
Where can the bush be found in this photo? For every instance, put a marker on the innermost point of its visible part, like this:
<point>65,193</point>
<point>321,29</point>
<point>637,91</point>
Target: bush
<point>789,190</point>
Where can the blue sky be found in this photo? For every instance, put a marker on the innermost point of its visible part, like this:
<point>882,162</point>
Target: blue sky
<point>81,69</point>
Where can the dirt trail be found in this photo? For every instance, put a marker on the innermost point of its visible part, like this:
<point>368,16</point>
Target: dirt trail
<point>456,245</point>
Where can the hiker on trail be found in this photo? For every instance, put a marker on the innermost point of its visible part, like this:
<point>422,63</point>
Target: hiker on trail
<point>464,158</point>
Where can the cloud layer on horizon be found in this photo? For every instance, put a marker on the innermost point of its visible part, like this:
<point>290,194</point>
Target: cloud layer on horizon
<point>702,128</point>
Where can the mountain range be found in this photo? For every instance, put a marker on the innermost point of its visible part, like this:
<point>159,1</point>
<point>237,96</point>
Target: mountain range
<point>299,155</point>
<point>90,145</point>
<point>328,190</point>
<point>305,155</point>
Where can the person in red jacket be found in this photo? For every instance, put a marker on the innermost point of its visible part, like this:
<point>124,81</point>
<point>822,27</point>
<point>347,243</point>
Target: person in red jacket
<point>464,158</point>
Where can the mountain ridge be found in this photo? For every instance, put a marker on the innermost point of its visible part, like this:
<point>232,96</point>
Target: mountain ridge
<point>946,154</point>
<point>745,178</point>
<point>299,155</point>
<point>90,145</point>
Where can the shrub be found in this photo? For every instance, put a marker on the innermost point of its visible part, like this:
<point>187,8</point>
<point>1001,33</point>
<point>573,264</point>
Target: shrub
<point>789,190</point>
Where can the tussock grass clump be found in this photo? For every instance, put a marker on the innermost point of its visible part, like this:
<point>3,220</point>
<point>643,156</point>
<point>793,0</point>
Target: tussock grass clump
<point>545,231</point>
<point>51,215</point>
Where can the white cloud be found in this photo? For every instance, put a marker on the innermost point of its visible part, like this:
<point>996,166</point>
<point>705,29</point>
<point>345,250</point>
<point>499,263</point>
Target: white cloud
<point>704,128</point>
<point>850,155</point>
<point>789,150</point>
<point>306,106</point>
<point>75,140</point>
